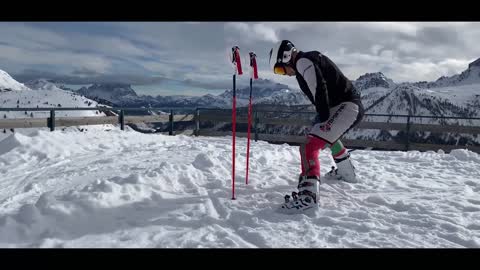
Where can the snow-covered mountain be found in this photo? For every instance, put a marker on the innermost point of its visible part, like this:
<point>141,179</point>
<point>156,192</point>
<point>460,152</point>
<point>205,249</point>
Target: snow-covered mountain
<point>373,80</point>
<point>117,93</point>
<point>408,99</point>
<point>40,93</point>
<point>7,83</point>
<point>42,84</point>
<point>457,95</point>
<point>469,76</point>
<point>264,92</point>
<point>374,87</point>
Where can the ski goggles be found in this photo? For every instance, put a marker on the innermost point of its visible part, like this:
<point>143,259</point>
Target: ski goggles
<point>280,69</point>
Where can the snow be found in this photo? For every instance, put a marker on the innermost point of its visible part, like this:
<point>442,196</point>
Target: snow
<point>127,189</point>
<point>458,95</point>
<point>42,84</point>
<point>44,94</point>
<point>7,82</point>
<point>470,76</point>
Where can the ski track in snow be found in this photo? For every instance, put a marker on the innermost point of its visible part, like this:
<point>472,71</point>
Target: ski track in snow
<point>127,189</point>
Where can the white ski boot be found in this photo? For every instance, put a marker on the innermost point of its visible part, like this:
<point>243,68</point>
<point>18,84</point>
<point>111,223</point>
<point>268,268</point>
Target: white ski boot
<point>305,200</point>
<point>345,171</point>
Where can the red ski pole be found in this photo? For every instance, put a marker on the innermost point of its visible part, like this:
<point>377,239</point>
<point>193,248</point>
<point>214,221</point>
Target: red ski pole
<point>253,66</point>
<point>238,69</point>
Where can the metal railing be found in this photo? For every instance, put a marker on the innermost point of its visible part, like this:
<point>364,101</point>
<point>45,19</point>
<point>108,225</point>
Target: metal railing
<point>408,127</point>
<point>116,116</point>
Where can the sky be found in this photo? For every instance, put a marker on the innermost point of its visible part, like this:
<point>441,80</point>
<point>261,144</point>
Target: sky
<point>192,56</point>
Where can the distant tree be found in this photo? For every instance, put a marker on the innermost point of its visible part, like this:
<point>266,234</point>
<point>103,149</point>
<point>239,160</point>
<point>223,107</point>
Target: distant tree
<point>18,101</point>
<point>59,105</point>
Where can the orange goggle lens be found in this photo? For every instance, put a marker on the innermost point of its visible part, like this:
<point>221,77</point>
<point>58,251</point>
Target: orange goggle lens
<point>279,69</point>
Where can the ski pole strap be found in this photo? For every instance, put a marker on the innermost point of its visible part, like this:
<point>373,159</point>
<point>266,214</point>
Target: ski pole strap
<point>236,60</point>
<point>253,65</point>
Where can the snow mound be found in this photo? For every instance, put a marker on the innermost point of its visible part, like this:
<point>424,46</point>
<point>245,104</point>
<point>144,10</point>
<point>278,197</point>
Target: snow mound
<point>11,142</point>
<point>464,155</point>
<point>40,145</point>
<point>203,161</point>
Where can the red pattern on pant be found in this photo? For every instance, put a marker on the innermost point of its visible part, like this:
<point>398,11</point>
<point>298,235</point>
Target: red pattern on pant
<point>312,149</point>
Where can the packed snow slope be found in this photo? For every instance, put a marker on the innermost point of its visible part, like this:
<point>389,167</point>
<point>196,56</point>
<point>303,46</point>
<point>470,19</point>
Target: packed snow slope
<point>128,189</point>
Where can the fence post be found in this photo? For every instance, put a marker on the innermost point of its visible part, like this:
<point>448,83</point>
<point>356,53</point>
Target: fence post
<point>255,125</point>
<point>408,132</point>
<point>122,120</point>
<point>52,120</point>
<point>197,122</point>
<point>170,119</point>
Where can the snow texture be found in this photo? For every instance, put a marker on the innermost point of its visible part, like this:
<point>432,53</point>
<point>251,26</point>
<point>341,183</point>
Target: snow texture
<point>127,189</point>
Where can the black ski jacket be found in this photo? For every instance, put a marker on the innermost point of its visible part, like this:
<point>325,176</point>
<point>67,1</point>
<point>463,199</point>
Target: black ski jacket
<point>323,83</point>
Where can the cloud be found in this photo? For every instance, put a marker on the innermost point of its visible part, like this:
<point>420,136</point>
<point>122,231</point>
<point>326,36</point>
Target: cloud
<point>406,28</point>
<point>251,32</point>
<point>85,72</point>
<point>195,53</point>
<point>59,58</point>
<point>90,77</point>
<point>21,35</point>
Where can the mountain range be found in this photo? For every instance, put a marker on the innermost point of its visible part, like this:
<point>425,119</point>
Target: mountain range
<point>457,95</point>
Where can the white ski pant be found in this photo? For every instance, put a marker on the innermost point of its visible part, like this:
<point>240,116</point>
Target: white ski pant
<point>342,117</point>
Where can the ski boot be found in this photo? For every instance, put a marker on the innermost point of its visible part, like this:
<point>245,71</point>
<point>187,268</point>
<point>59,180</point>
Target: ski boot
<point>345,171</point>
<point>303,200</point>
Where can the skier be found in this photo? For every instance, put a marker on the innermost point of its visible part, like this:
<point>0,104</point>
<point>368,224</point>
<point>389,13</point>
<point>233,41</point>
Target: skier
<point>338,107</point>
